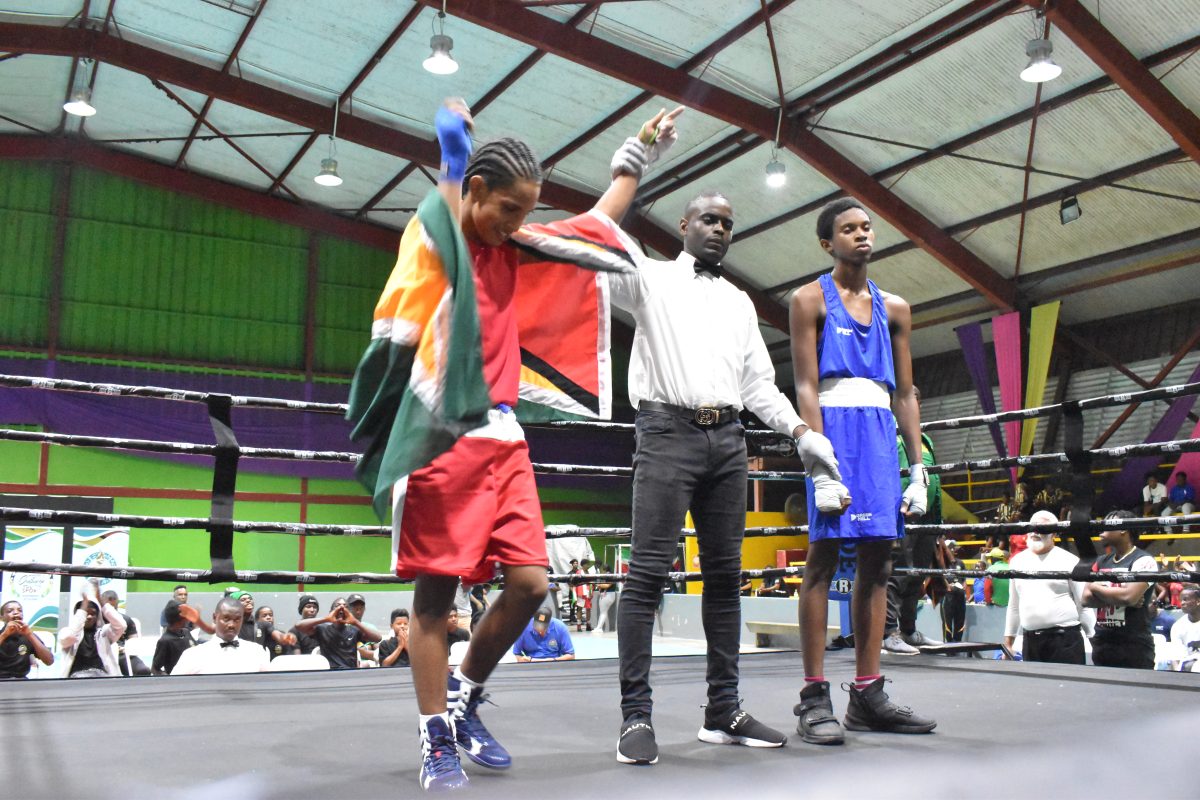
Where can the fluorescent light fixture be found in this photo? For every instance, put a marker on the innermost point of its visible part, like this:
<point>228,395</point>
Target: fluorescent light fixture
<point>776,173</point>
<point>1041,66</point>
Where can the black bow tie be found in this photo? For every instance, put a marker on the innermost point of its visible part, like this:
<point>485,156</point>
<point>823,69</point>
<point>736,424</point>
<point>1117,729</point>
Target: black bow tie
<point>234,643</point>
<point>700,266</point>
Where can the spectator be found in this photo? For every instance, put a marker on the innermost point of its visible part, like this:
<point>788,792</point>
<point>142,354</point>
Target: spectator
<point>87,645</point>
<point>308,608</point>
<point>1123,615</point>
<point>249,631</point>
<point>180,595</point>
<point>1181,499</point>
<point>544,639</point>
<point>128,664</point>
<point>479,602</point>
<point>773,588</point>
<point>1023,500</point>
<point>1050,612</point>
<point>954,604</point>
<point>979,585</point>
<point>366,650</point>
<point>1154,496</point>
<point>18,643</point>
<point>338,635</point>
<point>454,632</point>
<point>1185,633</point>
<point>193,616</point>
<point>393,652</point>
<point>1050,498</point>
<point>1007,511</point>
<point>995,592</point>
<point>277,643</point>
<point>462,603</point>
<point>227,651</point>
<point>175,638</point>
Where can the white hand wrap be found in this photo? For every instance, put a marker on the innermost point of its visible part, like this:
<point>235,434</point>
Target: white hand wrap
<point>816,451</point>
<point>917,494</point>
<point>630,159</point>
<point>663,142</point>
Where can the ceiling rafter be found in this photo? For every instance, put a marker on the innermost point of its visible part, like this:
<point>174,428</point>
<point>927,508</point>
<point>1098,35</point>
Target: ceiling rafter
<point>229,62</point>
<point>1058,101</point>
<point>1180,122</point>
<point>510,19</point>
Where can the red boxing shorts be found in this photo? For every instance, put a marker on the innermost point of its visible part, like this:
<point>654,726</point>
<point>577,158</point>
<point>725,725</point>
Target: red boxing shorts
<point>473,507</point>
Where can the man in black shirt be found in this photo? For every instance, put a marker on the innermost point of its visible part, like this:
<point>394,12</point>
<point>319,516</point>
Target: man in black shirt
<point>308,609</point>
<point>338,634</point>
<point>1123,619</point>
<point>393,652</point>
<point>454,633</point>
<point>250,631</point>
<point>126,662</point>
<point>18,643</point>
<point>277,643</point>
<point>176,638</point>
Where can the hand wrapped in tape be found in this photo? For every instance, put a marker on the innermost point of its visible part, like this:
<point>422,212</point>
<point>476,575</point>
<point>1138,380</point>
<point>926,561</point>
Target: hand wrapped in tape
<point>914,503</point>
<point>816,452</point>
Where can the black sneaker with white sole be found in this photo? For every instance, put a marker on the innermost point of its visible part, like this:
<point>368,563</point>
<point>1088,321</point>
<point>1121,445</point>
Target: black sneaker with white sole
<point>738,727</point>
<point>637,745</point>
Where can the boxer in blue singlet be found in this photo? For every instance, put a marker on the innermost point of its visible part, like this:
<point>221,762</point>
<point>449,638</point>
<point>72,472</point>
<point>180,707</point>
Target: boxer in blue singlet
<point>853,368</point>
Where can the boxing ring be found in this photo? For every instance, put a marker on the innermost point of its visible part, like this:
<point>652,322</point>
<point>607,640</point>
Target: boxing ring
<point>1004,728</point>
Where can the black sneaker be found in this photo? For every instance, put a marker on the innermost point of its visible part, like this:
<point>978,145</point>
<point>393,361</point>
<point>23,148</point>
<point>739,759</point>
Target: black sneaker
<point>817,724</point>
<point>637,745</point>
<point>871,710</point>
<point>738,727</point>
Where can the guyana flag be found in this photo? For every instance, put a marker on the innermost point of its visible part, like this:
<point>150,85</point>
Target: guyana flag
<point>419,385</point>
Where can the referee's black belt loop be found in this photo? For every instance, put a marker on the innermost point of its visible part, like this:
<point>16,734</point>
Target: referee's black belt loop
<point>220,541</point>
<point>1083,490</point>
<point>705,416</point>
<point>1057,630</point>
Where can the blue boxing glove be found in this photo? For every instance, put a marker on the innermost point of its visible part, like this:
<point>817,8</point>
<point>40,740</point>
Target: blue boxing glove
<point>454,136</point>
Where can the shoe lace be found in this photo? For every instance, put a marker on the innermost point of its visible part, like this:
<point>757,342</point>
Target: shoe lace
<point>441,754</point>
<point>469,718</point>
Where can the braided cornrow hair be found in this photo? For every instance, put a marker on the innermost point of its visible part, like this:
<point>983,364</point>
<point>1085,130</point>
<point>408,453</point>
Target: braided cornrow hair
<point>502,162</point>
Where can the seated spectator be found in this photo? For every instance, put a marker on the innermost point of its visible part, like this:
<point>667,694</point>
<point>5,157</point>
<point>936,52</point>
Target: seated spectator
<point>747,587</point>
<point>366,650</point>
<point>995,592</point>
<point>979,585</point>
<point>87,643</point>
<point>1050,498</point>
<point>1181,499</point>
<point>249,631</point>
<point>277,643</point>
<point>1154,496</point>
<point>309,607</point>
<point>544,639</point>
<point>338,634</point>
<point>18,643</point>
<point>393,652</point>
<point>455,634</point>
<point>1185,633</point>
<point>774,587</point>
<point>479,602</point>
<point>226,652</point>
<point>128,664</point>
<point>175,638</point>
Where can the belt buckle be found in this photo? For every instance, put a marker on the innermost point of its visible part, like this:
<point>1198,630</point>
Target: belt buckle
<point>707,416</point>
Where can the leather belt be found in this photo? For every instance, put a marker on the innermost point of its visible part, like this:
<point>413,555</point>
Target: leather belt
<point>705,416</point>
<point>1057,630</point>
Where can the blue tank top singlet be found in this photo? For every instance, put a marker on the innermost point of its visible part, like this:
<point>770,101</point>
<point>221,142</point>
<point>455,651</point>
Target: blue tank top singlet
<point>848,349</point>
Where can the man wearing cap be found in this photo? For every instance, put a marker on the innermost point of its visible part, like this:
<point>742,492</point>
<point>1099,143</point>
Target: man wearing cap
<point>1123,617</point>
<point>544,639</point>
<point>250,630</point>
<point>995,592</point>
<point>954,604</point>
<point>308,609</point>
<point>226,652</point>
<point>338,634</point>
<point>1049,612</point>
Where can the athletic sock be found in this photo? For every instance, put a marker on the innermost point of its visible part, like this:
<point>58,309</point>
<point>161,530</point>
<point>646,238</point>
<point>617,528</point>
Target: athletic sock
<point>423,719</point>
<point>464,680</point>
<point>863,681</point>
<point>817,679</point>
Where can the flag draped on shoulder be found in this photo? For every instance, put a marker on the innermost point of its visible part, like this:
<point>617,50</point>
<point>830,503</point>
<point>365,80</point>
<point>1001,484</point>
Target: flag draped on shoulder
<point>419,385</point>
<point>563,318</point>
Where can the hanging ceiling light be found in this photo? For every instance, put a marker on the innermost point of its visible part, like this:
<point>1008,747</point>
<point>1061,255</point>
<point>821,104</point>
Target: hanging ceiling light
<point>776,173</point>
<point>328,176</point>
<point>1041,66</point>
<point>80,103</point>
<point>440,62</point>
<point>1069,210</point>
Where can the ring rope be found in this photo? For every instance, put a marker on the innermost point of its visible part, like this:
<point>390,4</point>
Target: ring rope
<point>59,384</point>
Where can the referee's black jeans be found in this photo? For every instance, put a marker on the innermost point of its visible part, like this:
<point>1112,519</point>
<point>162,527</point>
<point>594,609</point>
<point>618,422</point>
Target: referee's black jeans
<point>677,466</point>
<point>1055,646</point>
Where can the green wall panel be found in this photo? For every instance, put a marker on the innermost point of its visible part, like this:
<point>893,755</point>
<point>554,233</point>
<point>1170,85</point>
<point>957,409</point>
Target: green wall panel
<point>26,247</point>
<point>19,461</point>
<point>350,277</point>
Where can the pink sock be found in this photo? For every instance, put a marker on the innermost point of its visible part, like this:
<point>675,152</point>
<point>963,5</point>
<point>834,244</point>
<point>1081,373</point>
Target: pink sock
<point>817,679</point>
<point>863,681</point>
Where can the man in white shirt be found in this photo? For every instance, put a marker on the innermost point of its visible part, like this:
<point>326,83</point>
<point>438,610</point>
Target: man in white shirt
<point>1185,633</point>
<point>698,359</point>
<point>1049,612</point>
<point>1154,496</point>
<point>224,652</point>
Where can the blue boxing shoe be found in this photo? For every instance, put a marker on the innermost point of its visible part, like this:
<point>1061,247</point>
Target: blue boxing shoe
<point>472,736</point>
<point>441,770</point>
